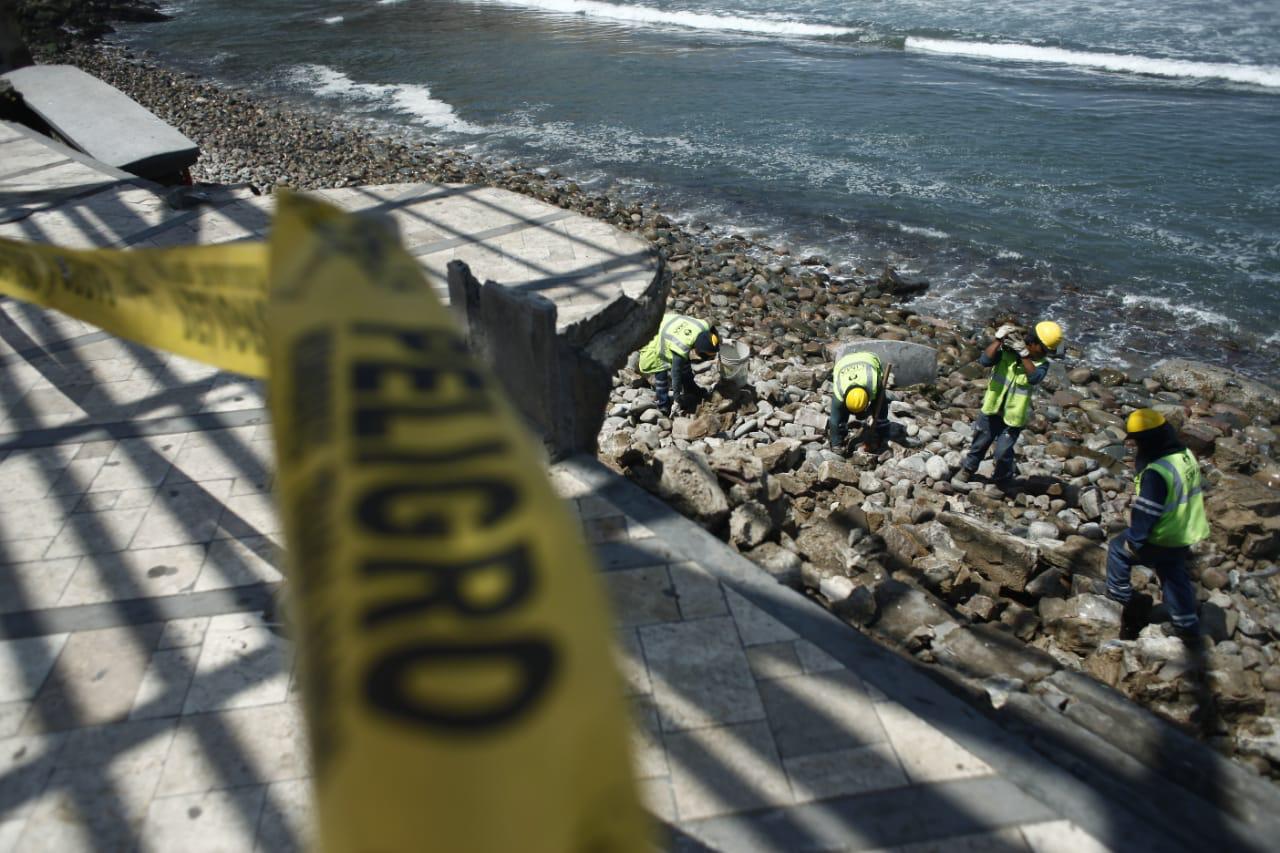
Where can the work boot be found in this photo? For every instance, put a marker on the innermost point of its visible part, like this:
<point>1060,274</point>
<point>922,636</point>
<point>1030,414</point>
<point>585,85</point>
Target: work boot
<point>962,477</point>
<point>1135,615</point>
<point>1190,637</point>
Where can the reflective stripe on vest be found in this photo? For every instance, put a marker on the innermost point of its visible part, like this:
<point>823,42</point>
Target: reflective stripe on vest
<point>1183,521</point>
<point>856,370</point>
<point>678,333</point>
<point>1009,391</point>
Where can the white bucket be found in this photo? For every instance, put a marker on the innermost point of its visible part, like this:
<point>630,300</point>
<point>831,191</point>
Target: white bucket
<point>734,356</point>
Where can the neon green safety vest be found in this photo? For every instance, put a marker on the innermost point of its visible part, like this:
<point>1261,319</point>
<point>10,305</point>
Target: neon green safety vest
<point>856,370</point>
<point>675,337</point>
<point>1009,391</point>
<point>1184,521</point>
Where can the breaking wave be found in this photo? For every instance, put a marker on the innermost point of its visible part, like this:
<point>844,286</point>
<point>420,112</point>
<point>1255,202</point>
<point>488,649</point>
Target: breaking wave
<point>406,98</point>
<point>1267,76</point>
<point>691,20</point>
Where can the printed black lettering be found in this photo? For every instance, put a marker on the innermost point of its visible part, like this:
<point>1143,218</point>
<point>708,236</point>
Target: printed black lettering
<point>377,508</point>
<point>416,339</point>
<point>392,688</point>
<point>311,393</point>
<point>445,585</point>
<point>439,457</point>
<point>371,375</point>
<point>374,422</point>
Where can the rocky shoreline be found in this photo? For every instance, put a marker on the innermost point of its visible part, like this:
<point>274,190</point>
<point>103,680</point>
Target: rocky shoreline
<point>1002,595</point>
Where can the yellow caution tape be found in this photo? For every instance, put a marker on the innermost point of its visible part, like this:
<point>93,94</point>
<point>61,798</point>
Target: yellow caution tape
<point>457,672</point>
<point>203,302</point>
<point>453,641</point>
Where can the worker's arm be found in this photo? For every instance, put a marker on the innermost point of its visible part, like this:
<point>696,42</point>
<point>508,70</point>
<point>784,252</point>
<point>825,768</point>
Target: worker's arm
<point>880,411</point>
<point>991,354</point>
<point>1148,507</point>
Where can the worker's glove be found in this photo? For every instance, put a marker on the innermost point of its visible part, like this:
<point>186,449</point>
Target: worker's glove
<point>1019,347</point>
<point>1005,331</point>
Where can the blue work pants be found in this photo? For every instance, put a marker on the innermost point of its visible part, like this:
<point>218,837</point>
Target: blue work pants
<point>1170,565</point>
<point>988,429</point>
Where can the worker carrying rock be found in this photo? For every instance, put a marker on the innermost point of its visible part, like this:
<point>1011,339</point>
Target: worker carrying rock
<point>858,390</point>
<point>1019,363</point>
<point>680,340</point>
<point>1166,520</point>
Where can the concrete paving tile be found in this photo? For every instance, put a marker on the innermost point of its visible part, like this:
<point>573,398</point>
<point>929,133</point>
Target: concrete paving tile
<point>567,486</point>
<point>700,674</point>
<point>1005,840</point>
<point>96,533</point>
<point>232,393</point>
<point>239,562</point>
<point>200,462</point>
<point>17,551</point>
<point>25,665</point>
<point>814,659</point>
<point>629,658</point>
<point>213,822</point>
<point>252,485</point>
<point>605,529</point>
<point>698,593</point>
<point>11,716</point>
<point>182,633</point>
<point>288,818</point>
<point>163,690</point>
<point>108,804</point>
<point>926,753</point>
<point>95,679</point>
<point>183,514</point>
<point>137,463</point>
<point>130,744</point>
<point>591,506</point>
<point>1060,836</point>
<point>76,477</point>
<point>242,664</point>
<point>725,769</point>
<point>838,772</point>
<point>774,660</point>
<point>100,501</point>
<point>754,624</point>
<point>10,831</point>
<point>251,514</point>
<point>648,754</point>
<point>641,596</point>
<point>658,798</point>
<point>46,407</point>
<point>133,498</point>
<point>229,749</point>
<point>34,585</point>
<point>820,712</point>
<point>26,763</point>
<point>141,573</point>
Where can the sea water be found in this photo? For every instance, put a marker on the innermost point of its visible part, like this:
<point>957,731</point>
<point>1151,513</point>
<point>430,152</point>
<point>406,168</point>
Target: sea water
<point>1114,166</point>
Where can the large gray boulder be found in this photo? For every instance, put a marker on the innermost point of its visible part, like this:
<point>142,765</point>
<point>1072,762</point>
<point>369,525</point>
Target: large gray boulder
<point>689,484</point>
<point>998,556</point>
<point>913,364</point>
<point>1219,385</point>
<point>1080,623</point>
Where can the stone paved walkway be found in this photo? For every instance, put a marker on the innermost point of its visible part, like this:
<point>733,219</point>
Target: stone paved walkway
<point>146,705</point>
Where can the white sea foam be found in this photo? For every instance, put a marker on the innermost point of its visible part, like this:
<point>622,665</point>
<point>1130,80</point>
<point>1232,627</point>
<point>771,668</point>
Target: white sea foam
<point>389,2</point>
<point>409,98</point>
<point>920,230</point>
<point>336,19</point>
<point>1257,75</point>
<point>1009,255</point>
<point>690,20</point>
<point>1193,315</point>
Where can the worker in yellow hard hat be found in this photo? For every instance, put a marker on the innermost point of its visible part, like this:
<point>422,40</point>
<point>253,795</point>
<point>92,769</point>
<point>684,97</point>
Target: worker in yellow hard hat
<point>857,390</point>
<point>1167,518</point>
<point>680,340</point>
<point>1019,363</point>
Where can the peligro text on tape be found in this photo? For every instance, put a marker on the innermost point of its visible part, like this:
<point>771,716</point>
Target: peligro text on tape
<point>203,302</point>
<point>453,641</point>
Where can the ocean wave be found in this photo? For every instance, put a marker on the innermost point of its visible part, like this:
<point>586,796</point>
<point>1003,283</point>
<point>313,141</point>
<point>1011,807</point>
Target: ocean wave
<point>1189,316</point>
<point>1267,76</point>
<point>919,230</point>
<point>408,98</point>
<point>336,19</point>
<point>689,20</point>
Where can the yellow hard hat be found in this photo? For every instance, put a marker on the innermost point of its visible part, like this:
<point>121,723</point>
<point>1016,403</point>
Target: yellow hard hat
<point>1142,420</point>
<point>1049,333</point>
<point>856,400</point>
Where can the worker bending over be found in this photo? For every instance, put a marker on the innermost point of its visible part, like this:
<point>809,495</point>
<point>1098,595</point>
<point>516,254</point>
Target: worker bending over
<point>1166,520</point>
<point>1018,361</point>
<point>680,340</point>
<point>857,389</point>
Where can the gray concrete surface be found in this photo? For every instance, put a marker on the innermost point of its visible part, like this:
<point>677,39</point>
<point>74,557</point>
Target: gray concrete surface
<point>105,123</point>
